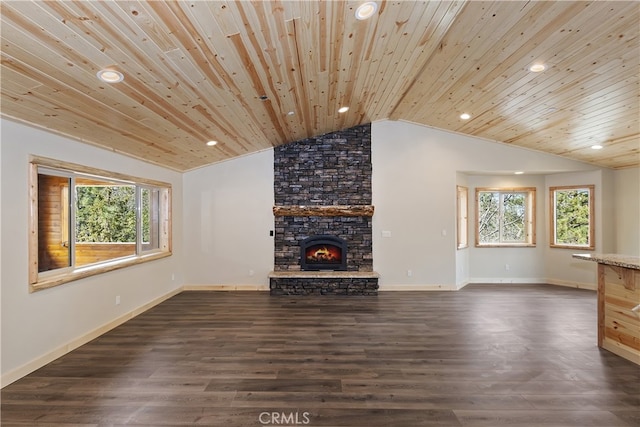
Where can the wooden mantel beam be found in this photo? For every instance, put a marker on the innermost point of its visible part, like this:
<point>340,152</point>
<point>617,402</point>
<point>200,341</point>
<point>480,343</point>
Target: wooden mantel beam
<point>334,210</point>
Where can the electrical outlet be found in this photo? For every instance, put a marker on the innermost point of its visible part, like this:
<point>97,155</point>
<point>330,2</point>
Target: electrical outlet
<point>117,299</point>
<point>506,267</point>
<point>251,272</point>
<point>409,273</point>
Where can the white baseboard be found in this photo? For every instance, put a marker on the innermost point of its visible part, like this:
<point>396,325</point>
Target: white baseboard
<point>386,288</point>
<point>498,280</point>
<point>569,284</point>
<point>52,355</point>
<point>226,287</point>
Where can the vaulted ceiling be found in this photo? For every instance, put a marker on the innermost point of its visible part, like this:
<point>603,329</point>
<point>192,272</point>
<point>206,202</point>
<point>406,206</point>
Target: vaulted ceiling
<point>253,75</point>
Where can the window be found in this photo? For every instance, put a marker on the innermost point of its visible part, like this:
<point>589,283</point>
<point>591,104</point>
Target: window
<point>87,221</point>
<point>505,217</point>
<point>462,221</point>
<point>572,217</point>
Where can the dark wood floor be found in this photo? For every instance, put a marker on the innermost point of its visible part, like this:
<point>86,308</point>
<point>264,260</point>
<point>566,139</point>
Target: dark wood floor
<point>489,355</point>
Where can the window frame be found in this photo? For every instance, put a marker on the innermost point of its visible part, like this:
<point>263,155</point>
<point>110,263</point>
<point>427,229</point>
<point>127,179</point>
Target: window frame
<point>462,223</point>
<point>530,216</point>
<point>48,279</point>
<point>552,217</point>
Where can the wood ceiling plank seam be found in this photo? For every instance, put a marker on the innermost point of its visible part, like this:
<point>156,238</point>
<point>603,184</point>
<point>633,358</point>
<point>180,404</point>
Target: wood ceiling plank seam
<point>335,58</point>
<point>288,86</point>
<point>262,80</point>
<point>80,128</point>
<point>326,77</point>
<point>317,18</point>
<point>376,108</point>
<point>363,75</point>
<point>519,108</point>
<point>60,88</point>
<point>102,30</point>
<point>522,115</point>
<point>548,80</point>
<point>174,17</point>
<point>295,79</point>
<point>376,39</point>
<point>409,99</point>
<point>19,96</point>
<point>12,78</point>
<point>294,44</point>
<point>453,51</point>
<point>416,59</point>
<point>168,69</point>
<point>471,59</point>
<point>431,39</point>
<point>95,32</point>
<point>485,88</point>
<point>222,119</point>
<point>461,96</point>
<point>221,12</point>
<point>146,22</point>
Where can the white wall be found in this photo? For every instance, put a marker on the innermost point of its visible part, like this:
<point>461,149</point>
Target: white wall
<point>37,326</point>
<point>415,171</point>
<point>627,206</point>
<point>228,216</point>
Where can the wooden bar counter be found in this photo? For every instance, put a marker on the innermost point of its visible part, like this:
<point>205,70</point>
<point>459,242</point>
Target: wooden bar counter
<point>618,303</point>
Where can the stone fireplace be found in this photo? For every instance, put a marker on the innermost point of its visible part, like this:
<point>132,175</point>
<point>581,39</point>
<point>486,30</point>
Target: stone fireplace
<point>322,188</point>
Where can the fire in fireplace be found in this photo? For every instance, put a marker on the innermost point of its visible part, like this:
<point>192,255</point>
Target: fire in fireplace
<point>323,252</point>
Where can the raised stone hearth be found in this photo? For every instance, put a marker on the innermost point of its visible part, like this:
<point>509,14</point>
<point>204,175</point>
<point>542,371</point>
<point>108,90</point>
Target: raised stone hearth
<point>323,283</point>
<point>322,187</point>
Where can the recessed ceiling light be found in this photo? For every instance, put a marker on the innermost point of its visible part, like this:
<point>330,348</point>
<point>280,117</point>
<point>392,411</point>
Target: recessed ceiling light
<point>465,116</point>
<point>518,173</point>
<point>366,10</point>
<point>537,68</point>
<point>596,147</point>
<point>212,143</point>
<point>343,109</point>
<point>291,113</point>
<point>110,76</point>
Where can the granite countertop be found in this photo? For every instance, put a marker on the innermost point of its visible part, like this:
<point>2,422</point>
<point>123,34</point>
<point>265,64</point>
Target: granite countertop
<point>626,261</point>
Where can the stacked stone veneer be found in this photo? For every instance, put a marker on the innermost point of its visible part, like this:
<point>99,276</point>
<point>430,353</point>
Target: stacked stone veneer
<point>328,170</point>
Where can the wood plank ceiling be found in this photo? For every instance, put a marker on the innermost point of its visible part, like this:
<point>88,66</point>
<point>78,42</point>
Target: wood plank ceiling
<point>195,71</point>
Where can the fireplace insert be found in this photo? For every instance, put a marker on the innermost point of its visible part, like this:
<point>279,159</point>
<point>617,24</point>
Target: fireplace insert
<point>323,252</point>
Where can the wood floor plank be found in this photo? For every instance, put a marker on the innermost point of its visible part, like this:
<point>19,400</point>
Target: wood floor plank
<point>488,355</point>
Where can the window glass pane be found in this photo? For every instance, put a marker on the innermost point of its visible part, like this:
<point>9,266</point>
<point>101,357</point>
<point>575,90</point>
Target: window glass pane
<point>105,221</point>
<point>572,216</point>
<point>54,251</point>
<point>513,217</point>
<point>489,217</point>
<point>150,202</point>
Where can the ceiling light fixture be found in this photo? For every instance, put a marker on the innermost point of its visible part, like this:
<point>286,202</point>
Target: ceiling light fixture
<point>343,110</point>
<point>596,147</point>
<point>465,116</point>
<point>109,75</point>
<point>291,113</point>
<point>537,68</point>
<point>366,10</point>
<point>212,143</point>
